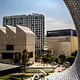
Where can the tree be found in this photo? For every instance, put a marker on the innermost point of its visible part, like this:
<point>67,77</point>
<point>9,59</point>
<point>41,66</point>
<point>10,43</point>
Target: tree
<point>70,59</point>
<point>74,53</point>
<point>62,58</point>
<point>17,59</point>
<point>25,57</point>
<point>55,58</point>
<point>44,58</point>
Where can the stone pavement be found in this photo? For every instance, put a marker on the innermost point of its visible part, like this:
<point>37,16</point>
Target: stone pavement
<point>39,79</point>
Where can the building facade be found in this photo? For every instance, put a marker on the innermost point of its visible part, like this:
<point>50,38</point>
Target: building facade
<point>14,40</point>
<point>33,21</point>
<point>62,41</point>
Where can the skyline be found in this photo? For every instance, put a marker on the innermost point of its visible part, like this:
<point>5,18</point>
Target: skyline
<point>56,13</point>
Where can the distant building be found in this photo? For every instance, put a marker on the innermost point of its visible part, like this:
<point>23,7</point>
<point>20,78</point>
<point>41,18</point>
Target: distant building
<point>33,21</point>
<point>13,40</point>
<point>62,41</point>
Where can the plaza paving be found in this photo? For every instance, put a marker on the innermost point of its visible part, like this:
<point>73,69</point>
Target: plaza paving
<point>56,69</point>
<point>38,64</point>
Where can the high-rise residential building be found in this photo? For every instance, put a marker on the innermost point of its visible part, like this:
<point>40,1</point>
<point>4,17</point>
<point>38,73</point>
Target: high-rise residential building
<point>33,21</point>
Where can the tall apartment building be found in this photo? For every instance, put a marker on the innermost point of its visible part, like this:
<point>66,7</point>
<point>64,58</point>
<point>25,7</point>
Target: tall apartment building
<point>62,41</point>
<point>33,21</point>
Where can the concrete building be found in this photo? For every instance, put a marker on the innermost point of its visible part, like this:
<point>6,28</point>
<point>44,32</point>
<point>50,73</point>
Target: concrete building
<point>33,21</point>
<point>62,41</point>
<point>14,40</point>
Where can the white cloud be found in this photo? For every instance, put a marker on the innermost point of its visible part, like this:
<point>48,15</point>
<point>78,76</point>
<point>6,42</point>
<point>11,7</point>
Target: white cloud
<point>46,4</point>
<point>49,19</point>
<point>51,24</point>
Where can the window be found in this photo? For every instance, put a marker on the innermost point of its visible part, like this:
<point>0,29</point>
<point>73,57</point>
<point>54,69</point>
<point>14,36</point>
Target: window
<point>36,17</point>
<point>9,47</point>
<point>21,18</point>
<point>6,20</point>
<point>32,24</point>
<point>26,17</point>
<point>7,55</point>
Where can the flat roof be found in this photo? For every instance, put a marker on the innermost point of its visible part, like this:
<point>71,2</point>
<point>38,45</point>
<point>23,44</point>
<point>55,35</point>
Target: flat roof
<point>6,69</point>
<point>24,15</point>
<point>7,66</point>
<point>63,32</point>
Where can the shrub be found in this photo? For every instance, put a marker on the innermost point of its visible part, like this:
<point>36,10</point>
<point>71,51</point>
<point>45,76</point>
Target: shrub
<point>55,58</point>
<point>62,58</point>
<point>70,59</point>
<point>46,58</point>
<point>47,74</point>
<point>74,54</point>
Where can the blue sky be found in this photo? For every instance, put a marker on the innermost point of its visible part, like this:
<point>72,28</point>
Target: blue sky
<point>56,13</point>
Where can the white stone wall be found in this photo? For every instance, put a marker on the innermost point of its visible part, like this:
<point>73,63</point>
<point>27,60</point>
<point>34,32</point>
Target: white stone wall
<point>17,37</point>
